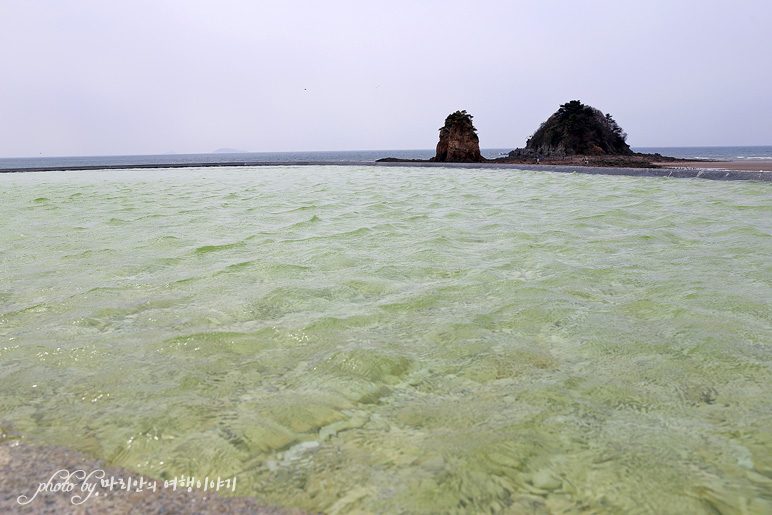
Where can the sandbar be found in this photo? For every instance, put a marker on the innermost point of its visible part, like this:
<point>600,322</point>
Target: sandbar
<point>749,166</point>
<point>703,169</point>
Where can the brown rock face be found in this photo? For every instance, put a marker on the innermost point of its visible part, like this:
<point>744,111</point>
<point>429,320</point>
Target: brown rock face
<point>458,140</point>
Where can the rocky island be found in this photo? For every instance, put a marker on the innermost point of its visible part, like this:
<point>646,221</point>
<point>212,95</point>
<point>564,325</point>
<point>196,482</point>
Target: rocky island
<point>576,129</point>
<point>459,142</point>
<point>578,134</point>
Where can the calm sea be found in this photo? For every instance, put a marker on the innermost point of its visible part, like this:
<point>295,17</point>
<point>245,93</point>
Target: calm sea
<point>364,156</point>
<point>366,339</point>
<point>713,153</point>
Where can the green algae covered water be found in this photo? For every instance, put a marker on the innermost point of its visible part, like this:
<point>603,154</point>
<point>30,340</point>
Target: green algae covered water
<point>401,340</point>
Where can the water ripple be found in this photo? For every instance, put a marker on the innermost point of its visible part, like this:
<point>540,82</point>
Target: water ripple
<point>420,340</point>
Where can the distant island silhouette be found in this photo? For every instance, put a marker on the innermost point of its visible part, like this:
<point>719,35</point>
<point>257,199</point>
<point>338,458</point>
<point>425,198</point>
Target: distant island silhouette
<point>229,151</point>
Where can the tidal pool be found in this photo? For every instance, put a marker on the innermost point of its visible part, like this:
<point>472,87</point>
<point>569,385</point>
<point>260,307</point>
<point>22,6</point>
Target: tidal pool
<point>398,340</point>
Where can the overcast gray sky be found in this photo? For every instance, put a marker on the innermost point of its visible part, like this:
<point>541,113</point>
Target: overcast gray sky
<point>91,77</point>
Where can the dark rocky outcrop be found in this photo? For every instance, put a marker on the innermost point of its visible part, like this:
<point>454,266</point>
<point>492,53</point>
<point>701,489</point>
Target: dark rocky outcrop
<point>576,129</point>
<point>458,140</point>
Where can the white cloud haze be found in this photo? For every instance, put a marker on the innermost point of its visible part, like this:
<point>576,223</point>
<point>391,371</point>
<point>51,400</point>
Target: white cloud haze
<point>93,78</point>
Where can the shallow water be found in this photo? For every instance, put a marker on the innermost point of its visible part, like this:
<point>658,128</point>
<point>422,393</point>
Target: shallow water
<point>350,339</point>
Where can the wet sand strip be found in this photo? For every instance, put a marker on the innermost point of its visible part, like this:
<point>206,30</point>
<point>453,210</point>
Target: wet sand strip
<point>714,171</point>
<point>759,165</point>
<point>681,172</point>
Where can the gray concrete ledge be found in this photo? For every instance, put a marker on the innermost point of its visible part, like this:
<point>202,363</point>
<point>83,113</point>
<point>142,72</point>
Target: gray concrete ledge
<point>695,173</point>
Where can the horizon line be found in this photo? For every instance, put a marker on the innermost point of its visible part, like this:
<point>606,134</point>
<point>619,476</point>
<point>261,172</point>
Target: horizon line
<point>236,151</point>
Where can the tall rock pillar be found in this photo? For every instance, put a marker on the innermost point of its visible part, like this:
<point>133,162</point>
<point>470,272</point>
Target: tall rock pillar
<point>458,140</point>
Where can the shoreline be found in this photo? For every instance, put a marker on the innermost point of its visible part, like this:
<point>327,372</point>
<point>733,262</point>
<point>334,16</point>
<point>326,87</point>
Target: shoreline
<point>750,166</point>
<point>714,170</point>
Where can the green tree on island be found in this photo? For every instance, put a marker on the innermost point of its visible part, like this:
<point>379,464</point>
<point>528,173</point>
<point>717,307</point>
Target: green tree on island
<point>577,128</point>
<point>461,118</point>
